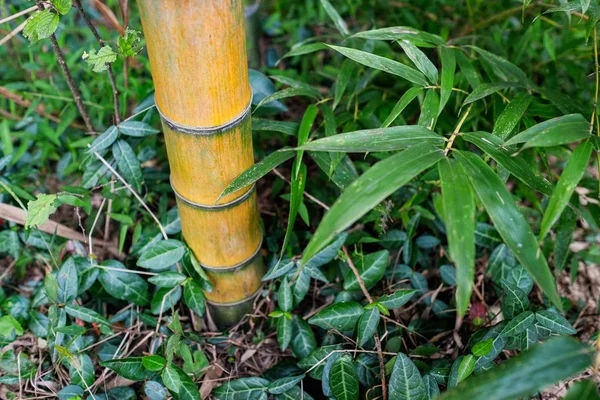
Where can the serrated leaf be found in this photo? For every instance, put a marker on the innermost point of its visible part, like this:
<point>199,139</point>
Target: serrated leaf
<point>252,388</point>
<point>555,322</point>
<point>509,222</point>
<point>341,316</point>
<point>129,368</point>
<point>39,210</point>
<point>405,382</point>
<point>136,129</point>
<point>397,299</point>
<point>100,60</point>
<point>41,25</point>
<point>371,269</point>
<point>367,325</point>
<point>459,216</point>
<point>565,187</point>
<point>370,189</point>
<point>343,379</point>
<point>382,64</point>
<point>554,132</point>
<point>124,285</point>
<point>511,115</point>
<point>162,255</point>
<point>104,140</point>
<point>62,6</point>
<point>381,139</point>
<point>541,366</point>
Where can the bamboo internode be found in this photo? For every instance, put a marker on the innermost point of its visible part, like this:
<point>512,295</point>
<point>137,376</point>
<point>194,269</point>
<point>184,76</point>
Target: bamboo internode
<point>198,59</point>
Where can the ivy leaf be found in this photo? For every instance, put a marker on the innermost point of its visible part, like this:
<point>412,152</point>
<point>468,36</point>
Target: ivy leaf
<point>164,299</point>
<point>284,332</point>
<point>282,385</point>
<point>194,298</point>
<point>555,322</point>
<point>41,25</point>
<point>85,314</point>
<point>285,298</point>
<point>9,326</point>
<point>162,255</point>
<point>171,380</point>
<point>127,163</point>
<point>371,269</point>
<point>104,140</point>
<point>136,129</point>
<point>341,316</point>
<point>555,360</point>
<point>367,325</point>
<point>509,222</point>
<point>466,367</point>
<point>397,299</point>
<point>154,362</point>
<point>343,379</point>
<point>482,348</point>
<point>168,279</point>
<point>39,210</point>
<point>518,324</point>
<point>432,390</point>
<point>405,382</point>
<point>124,285</point>
<point>100,60</point>
<point>515,300</point>
<point>242,389</point>
<point>130,368</point>
<point>66,280</point>
<point>303,339</point>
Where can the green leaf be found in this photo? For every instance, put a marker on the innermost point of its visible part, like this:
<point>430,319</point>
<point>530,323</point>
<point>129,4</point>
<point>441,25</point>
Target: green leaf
<point>9,326</point>
<point>382,139</point>
<point>252,388</point>
<point>432,390</point>
<point>41,25</point>
<point>302,49</point>
<point>343,379</point>
<point>486,89</point>
<point>404,101</point>
<point>162,255</point>
<point>459,217</point>
<point>503,68</point>
<point>127,163</point>
<point>286,93</point>
<point>303,339</point>
<point>555,322</point>
<point>39,210</point>
<point>371,269</point>
<point>466,367</point>
<point>100,60</point>
<point>554,132</point>
<point>284,332</point>
<point>420,60</point>
<point>429,109</point>
<point>370,189</point>
<point>62,6</point>
<point>299,175</point>
<point>170,379</point>
<point>583,390</point>
<point>515,164</point>
<point>566,185</point>
<point>66,280</point>
<point>104,140</point>
<point>509,222</point>
<point>154,362</point>
<point>482,348</point>
<point>518,324</point>
<point>405,382</point>
<point>341,316</point>
<point>382,64</point>
<point>401,33</point>
<point>467,69</point>
<point>338,21</point>
<point>397,299</point>
<point>167,279</point>
<point>344,77</point>
<point>282,385</point>
<point>81,371</point>
<point>294,393</point>
<point>257,171</point>
<point>515,300</point>
<point>544,364</point>
<point>85,314</point>
<point>136,129</point>
<point>128,44</point>
<point>285,299</point>
<point>165,299</point>
<point>448,71</point>
<point>194,298</point>
<point>512,114</point>
<point>367,325</point>
<point>285,127</point>
<point>124,285</point>
<point>130,368</point>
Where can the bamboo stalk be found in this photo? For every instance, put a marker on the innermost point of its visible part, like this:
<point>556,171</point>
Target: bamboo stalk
<point>197,54</point>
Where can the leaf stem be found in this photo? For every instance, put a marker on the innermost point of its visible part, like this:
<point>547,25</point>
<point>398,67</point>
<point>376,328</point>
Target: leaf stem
<point>457,130</point>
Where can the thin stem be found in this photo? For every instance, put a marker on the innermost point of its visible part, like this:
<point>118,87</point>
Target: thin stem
<point>111,76</point>
<point>17,15</point>
<point>595,110</point>
<point>457,130</point>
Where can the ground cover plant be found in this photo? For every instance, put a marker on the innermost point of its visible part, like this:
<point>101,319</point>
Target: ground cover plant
<point>427,178</point>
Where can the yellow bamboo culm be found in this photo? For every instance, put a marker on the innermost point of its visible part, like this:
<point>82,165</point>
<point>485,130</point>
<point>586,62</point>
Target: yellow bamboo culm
<point>197,52</point>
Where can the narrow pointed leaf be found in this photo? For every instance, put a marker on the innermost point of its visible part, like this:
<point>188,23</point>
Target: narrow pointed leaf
<point>371,269</point>
<point>518,324</point>
<point>459,216</point>
<point>555,322</point>
<point>341,316</point>
<point>404,101</point>
<point>252,388</point>
<point>338,21</point>
<point>104,140</point>
<point>561,130</point>
<point>400,33</point>
<point>486,89</point>
<point>405,382</point>
<point>343,379</point>
<point>512,114</point>
<point>367,325</point>
<point>509,222</point>
<point>420,60</point>
<point>448,71</point>
<point>397,299</point>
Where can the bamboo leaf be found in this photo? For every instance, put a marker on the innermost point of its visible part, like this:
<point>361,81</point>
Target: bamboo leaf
<point>105,140</point>
<point>544,364</point>
<point>302,49</point>
<point>367,325</point>
<point>401,33</point>
<point>346,74</point>
<point>512,114</point>
<point>406,382</point>
<point>459,217</point>
<point>397,299</point>
<point>561,130</point>
<point>162,255</point>
<point>515,164</point>
<point>503,68</point>
<point>420,60</point>
<point>486,89</point>
<point>341,316</point>
<point>370,189</point>
<point>136,129</point>
<point>509,222</point>
<point>566,185</point>
<point>448,72</point>
<point>467,69</point>
<point>371,269</point>
<point>555,322</point>
<point>284,94</point>
<point>429,110</point>
<point>404,101</point>
<point>286,127</point>
<point>257,171</point>
<point>382,64</point>
<point>343,379</point>
<point>338,21</point>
